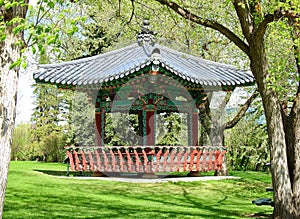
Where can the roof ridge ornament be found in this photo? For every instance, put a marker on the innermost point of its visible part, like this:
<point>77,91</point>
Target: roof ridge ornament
<point>146,36</point>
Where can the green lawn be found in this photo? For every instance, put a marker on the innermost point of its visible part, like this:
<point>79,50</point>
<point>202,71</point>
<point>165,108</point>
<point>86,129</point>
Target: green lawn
<point>34,192</point>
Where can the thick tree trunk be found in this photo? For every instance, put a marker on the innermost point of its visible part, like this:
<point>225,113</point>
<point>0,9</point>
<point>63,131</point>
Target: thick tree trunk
<point>9,53</point>
<point>285,197</point>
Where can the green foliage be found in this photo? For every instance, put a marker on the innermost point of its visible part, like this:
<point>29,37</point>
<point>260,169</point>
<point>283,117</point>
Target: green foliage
<point>82,119</point>
<point>282,64</point>
<point>46,24</point>
<point>50,121</point>
<point>248,149</point>
<point>21,142</point>
<point>171,129</point>
<point>121,129</point>
<point>26,147</point>
<point>52,147</point>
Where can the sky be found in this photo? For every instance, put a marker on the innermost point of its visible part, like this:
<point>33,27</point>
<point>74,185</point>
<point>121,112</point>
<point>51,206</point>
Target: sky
<point>25,92</point>
<point>25,101</point>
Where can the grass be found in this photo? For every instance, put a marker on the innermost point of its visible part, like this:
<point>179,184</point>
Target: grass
<point>34,192</point>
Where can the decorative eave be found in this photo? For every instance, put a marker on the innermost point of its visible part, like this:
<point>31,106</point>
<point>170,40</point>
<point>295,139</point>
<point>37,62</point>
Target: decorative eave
<point>117,66</point>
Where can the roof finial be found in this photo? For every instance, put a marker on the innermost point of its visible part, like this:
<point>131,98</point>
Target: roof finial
<point>146,35</point>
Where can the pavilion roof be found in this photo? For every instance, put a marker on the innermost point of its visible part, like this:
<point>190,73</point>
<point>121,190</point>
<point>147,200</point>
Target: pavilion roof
<point>118,64</point>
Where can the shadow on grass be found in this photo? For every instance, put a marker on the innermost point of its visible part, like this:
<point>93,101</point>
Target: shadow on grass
<point>260,215</point>
<point>122,175</point>
<point>216,207</point>
<point>63,173</point>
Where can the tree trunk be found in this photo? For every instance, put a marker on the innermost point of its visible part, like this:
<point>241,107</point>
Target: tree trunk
<point>9,53</point>
<point>286,201</point>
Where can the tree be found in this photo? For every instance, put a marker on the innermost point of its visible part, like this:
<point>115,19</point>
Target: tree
<point>171,129</point>
<point>282,117</point>
<point>248,149</point>
<point>82,119</point>
<point>213,123</point>
<point>21,142</point>
<point>13,23</point>
<point>12,15</point>
<point>50,121</point>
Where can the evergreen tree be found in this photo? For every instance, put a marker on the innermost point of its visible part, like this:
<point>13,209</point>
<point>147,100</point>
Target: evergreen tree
<point>49,121</point>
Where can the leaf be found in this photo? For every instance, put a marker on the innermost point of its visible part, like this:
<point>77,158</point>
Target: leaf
<point>41,49</point>
<point>2,37</point>
<point>51,39</point>
<point>16,63</point>
<point>51,4</point>
<point>242,5</point>
<point>24,64</point>
<point>33,49</point>
<point>18,29</point>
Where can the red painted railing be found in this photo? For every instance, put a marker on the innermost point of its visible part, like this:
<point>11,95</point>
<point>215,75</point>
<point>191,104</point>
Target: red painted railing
<point>146,159</point>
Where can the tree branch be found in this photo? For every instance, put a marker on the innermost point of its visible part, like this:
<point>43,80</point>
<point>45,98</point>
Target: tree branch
<point>222,106</point>
<point>132,12</point>
<point>273,17</point>
<point>242,111</point>
<point>244,14</point>
<point>207,23</point>
<point>261,29</point>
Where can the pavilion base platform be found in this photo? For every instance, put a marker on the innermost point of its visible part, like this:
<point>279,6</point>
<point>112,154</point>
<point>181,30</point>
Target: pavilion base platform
<point>145,161</point>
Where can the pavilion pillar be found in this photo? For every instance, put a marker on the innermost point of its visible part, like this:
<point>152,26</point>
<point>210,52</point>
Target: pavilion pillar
<point>141,127</point>
<point>193,119</point>
<point>99,128</point>
<point>149,119</point>
<point>150,127</point>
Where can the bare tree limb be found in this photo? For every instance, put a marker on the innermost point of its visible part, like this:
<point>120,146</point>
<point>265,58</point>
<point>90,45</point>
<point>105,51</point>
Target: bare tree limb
<point>207,23</point>
<point>132,12</point>
<point>242,111</point>
<point>222,106</point>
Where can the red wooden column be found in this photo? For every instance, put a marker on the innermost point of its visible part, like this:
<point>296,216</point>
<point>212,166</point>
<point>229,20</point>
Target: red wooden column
<point>195,119</point>
<point>99,125</point>
<point>150,123</point>
<point>150,137</point>
<point>141,127</point>
<point>149,115</point>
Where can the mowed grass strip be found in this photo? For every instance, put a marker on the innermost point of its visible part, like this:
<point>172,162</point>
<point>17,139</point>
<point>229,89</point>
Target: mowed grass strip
<point>36,191</point>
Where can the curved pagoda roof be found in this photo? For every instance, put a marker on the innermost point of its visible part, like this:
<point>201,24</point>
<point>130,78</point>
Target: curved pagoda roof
<point>129,60</point>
